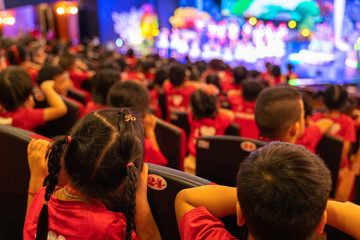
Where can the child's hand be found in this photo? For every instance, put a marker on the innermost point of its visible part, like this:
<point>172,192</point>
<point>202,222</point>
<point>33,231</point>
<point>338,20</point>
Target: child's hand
<point>36,152</point>
<point>47,84</point>
<point>149,124</point>
<point>141,192</point>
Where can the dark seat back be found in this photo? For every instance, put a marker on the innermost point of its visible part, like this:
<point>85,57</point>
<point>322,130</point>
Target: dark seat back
<point>218,157</point>
<point>233,130</point>
<point>162,103</point>
<point>77,95</point>
<point>329,149</point>
<point>180,119</point>
<point>14,180</point>
<point>172,143</point>
<point>162,201</point>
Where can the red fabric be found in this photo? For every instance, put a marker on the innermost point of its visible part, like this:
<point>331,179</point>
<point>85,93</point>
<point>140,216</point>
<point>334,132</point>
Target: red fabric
<point>342,127</point>
<point>154,102</point>
<point>76,220</point>
<point>24,118</point>
<point>92,107</point>
<point>273,81</point>
<point>199,224</point>
<point>80,106</point>
<point>310,138</point>
<point>33,73</point>
<point>78,78</point>
<point>227,86</point>
<point>152,155</point>
<point>177,99</point>
<point>206,127</point>
<point>86,94</point>
<point>244,116</point>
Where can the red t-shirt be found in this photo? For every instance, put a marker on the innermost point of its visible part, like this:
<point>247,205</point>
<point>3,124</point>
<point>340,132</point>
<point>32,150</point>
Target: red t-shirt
<point>75,220</point>
<point>78,78</point>
<point>199,224</point>
<point>79,104</point>
<point>177,99</point>
<point>151,155</point>
<point>206,127</point>
<point>343,126</point>
<point>310,138</point>
<point>92,107</point>
<point>24,118</point>
<point>244,116</point>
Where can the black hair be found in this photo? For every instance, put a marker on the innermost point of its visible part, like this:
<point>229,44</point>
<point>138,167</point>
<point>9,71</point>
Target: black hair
<point>177,75</point>
<point>48,72</point>
<point>130,52</point>
<point>240,73</point>
<point>203,105</point>
<point>102,83</point>
<point>160,77</point>
<point>251,89</point>
<point>253,73</point>
<point>276,71</point>
<point>335,97</point>
<point>67,60</point>
<point>283,189</point>
<point>217,64</point>
<point>129,94</point>
<point>276,110</point>
<point>16,54</point>
<point>15,87</point>
<point>289,66</point>
<point>213,79</point>
<point>308,108</point>
<point>103,143</point>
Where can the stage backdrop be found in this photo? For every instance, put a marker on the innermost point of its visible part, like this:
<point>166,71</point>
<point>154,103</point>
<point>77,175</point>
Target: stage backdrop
<point>17,3</point>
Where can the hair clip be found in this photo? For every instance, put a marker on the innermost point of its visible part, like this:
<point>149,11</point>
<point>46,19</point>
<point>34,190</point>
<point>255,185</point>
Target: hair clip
<point>129,118</point>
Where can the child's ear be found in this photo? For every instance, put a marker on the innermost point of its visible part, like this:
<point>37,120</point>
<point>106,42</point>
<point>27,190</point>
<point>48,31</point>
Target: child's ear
<point>239,216</point>
<point>321,225</point>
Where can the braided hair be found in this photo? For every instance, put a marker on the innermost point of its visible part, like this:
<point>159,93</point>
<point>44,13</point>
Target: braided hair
<point>103,161</point>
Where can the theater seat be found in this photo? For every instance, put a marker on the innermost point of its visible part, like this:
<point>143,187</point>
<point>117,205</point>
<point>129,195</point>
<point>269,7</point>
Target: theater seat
<point>14,180</point>
<point>218,157</point>
<point>329,149</point>
<point>77,95</point>
<point>172,143</point>
<point>180,119</point>
<point>163,185</point>
<point>233,130</point>
<point>162,103</point>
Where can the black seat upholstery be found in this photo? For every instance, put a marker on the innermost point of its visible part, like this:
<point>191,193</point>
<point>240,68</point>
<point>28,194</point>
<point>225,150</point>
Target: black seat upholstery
<point>172,143</point>
<point>14,180</point>
<point>329,149</point>
<point>180,119</point>
<point>218,157</point>
<point>162,103</point>
<point>233,130</point>
<point>77,95</point>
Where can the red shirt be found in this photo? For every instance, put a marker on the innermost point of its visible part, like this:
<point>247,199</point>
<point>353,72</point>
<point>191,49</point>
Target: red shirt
<point>151,155</point>
<point>177,99</point>
<point>206,127</point>
<point>78,78</point>
<point>244,116</point>
<point>24,118</point>
<point>79,104</point>
<point>76,220</point>
<point>92,107</point>
<point>310,138</point>
<point>343,126</point>
<point>199,224</point>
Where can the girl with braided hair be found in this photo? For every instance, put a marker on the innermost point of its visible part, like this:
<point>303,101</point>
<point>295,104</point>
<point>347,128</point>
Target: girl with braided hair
<point>105,194</point>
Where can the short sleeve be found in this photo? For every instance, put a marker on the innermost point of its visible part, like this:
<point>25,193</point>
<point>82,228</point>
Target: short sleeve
<point>200,224</point>
<point>310,138</point>
<point>153,155</point>
<point>349,131</point>
<point>117,231</point>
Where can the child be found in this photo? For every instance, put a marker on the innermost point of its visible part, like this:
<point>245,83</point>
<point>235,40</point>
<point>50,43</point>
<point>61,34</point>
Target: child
<point>102,159</point>
<point>244,105</point>
<point>205,119</point>
<point>101,85</point>
<point>178,90</point>
<point>132,95</point>
<point>17,103</point>
<point>273,200</point>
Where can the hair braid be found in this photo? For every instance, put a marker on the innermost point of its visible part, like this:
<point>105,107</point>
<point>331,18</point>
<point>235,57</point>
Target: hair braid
<point>54,167</point>
<point>130,195</point>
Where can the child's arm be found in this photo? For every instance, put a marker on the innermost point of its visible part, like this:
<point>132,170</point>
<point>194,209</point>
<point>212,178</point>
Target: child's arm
<point>57,106</point>
<point>227,112</point>
<point>36,152</point>
<point>149,129</point>
<point>344,216</point>
<point>220,201</point>
<point>146,227</point>
<point>324,124</point>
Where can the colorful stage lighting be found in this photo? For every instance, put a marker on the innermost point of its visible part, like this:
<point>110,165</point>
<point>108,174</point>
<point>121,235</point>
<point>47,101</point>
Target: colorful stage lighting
<point>292,24</point>
<point>60,10</point>
<point>305,32</point>
<point>252,21</point>
<point>73,10</point>
<point>155,32</point>
<point>357,46</point>
<point>119,43</point>
<point>11,21</point>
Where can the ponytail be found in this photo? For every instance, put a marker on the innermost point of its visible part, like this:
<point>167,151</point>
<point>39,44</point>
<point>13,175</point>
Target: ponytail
<point>130,195</point>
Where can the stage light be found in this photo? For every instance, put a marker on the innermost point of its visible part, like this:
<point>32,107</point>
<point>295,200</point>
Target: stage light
<point>292,24</point>
<point>357,46</point>
<point>358,41</point>
<point>305,32</point>
<point>60,10</point>
<point>252,21</point>
<point>119,43</point>
<point>73,10</point>
<point>155,32</point>
<point>11,21</point>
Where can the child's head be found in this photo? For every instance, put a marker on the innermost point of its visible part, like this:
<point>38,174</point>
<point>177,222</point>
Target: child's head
<point>16,54</point>
<point>203,104</point>
<point>335,97</point>
<point>213,79</point>
<point>290,66</point>
<point>177,75</point>
<point>129,94</point>
<point>102,83</point>
<point>276,71</point>
<point>251,89</point>
<point>282,191</point>
<point>67,61</point>
<point>217,64</point>
<point>279,113</point>
<point>60,77</point>
<point>240,73</point>
<point>160,77</point>
<point>308,108</point>
<point>15,87</point>
<point>96,157</point>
